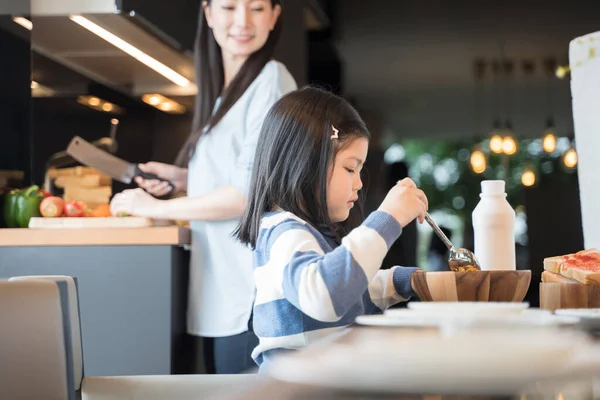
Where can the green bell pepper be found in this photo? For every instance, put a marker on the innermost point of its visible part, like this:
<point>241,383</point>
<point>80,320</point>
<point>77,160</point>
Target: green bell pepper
<point>20,205</point>
<point>10,208</point>
<point>28,205</point>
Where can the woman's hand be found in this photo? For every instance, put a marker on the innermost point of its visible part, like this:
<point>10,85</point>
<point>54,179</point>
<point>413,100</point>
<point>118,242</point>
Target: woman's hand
<point>177,176</point>
<point>405,202</point>
<point>134,202</point>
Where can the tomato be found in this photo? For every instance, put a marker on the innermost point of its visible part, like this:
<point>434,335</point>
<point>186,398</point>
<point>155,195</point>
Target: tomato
<point>52,207</point>
<point>74,209</point>
<point>45,193</point>
<point>103,210</point>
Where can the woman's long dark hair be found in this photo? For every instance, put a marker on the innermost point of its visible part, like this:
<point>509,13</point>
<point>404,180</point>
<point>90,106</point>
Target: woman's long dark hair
<point>294,153</point>
<point>210,79</point>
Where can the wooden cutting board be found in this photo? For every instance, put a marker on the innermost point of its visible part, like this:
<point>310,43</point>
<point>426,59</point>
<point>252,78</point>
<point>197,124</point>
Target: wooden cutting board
<point>88,222</point>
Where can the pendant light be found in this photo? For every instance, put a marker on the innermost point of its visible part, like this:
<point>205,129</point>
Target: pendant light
<point>496,139</point>
<point>549,135</point>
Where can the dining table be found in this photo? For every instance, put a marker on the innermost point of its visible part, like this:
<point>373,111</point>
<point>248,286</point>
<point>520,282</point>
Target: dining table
<point>287,386</point>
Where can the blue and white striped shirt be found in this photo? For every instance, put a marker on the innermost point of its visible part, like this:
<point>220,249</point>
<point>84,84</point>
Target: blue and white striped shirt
<point>308,286</point>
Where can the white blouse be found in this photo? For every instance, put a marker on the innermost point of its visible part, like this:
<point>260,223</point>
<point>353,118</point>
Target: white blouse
<point>221,290</point>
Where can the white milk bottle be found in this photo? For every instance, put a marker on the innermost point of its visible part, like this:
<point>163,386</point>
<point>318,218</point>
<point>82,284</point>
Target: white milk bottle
<point>494,228</point>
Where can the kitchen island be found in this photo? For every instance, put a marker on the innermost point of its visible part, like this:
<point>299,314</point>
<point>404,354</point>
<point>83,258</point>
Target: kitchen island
<point>132,290</point>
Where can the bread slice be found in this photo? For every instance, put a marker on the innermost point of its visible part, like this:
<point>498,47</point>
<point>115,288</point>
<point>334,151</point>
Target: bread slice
<point>583,266</point>
<point>583,274</point>
<point>551,277</point>
<point>552,264</point>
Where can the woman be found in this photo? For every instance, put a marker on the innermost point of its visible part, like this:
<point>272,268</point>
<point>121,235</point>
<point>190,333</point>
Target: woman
<point>238,81</point>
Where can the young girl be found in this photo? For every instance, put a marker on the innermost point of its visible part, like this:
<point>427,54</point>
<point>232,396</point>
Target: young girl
<point>316,266</point>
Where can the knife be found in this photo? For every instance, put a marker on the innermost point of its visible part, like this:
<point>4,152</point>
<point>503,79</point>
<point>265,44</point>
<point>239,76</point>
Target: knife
<point>120,170</point>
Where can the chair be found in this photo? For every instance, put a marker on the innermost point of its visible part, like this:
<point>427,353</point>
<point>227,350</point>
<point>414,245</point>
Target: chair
<point>33,362</point>
<point>148,387</point>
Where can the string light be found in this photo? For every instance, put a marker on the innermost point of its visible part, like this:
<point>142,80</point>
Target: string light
<point>509,146</point>
<point>478,162</point>
<point>549,141</point>
<point>528,178</point>
<point>570,158</point>
<point>496,144</point>
<point>562,71</point>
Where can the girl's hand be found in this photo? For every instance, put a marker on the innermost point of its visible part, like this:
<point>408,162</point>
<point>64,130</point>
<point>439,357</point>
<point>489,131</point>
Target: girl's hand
<point>176,175</point>
<point>405,202</point>
<point>134,202</point>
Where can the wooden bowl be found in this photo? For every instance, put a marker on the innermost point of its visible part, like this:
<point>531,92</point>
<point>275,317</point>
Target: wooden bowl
<point>569,295</point>
<point>472,286</point>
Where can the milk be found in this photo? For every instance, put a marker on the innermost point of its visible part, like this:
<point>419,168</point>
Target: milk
<point>494,228</point>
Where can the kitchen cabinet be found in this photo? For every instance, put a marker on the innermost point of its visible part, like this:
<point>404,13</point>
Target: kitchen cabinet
<point>132,291</point>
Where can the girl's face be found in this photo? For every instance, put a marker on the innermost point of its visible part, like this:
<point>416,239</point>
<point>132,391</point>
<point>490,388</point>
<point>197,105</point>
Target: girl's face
<point>241,27</point>
<point>344,179</point>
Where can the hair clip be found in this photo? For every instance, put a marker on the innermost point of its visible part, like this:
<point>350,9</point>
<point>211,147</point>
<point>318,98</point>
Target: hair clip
<point>335,133</point>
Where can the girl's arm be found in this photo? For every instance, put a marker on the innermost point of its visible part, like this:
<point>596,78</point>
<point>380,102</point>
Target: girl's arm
<point>390,287</point>
<point>323,286</point>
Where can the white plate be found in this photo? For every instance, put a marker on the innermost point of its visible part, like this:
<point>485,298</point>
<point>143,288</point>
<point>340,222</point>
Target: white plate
<point>579,312</point>
<point>466,307</point>
<point>477,363</point>
<point>449,322</point>
<point>386,320</point>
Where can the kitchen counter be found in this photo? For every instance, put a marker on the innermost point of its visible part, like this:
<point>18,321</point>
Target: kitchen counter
<point>132,290</point>
<point>159,235</point>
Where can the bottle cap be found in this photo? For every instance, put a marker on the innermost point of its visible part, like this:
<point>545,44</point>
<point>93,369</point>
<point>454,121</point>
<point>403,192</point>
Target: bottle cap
<point>495,187</point>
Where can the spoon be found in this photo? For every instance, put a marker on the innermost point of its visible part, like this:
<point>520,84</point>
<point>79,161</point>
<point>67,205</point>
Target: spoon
<point>459,259</point>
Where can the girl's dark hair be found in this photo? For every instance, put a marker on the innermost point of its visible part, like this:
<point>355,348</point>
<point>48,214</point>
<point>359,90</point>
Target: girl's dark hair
<point>210,79</point>
<point>294,153</point>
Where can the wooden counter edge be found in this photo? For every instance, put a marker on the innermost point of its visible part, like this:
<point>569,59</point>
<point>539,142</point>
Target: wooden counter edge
<point>162,235</point>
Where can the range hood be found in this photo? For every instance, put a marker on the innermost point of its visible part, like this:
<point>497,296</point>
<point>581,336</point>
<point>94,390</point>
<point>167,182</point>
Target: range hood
<point>81,35</point>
